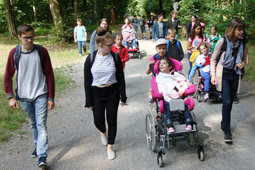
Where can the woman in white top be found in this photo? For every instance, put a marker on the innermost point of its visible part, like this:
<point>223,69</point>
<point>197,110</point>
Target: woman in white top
<point>104,84</point>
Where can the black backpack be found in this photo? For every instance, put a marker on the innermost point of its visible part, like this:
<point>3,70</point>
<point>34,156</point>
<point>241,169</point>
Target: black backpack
<point>17,55</point>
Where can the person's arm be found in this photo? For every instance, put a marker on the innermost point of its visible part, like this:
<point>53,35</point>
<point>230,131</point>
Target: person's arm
<point>85,32</point>
<point>92,42</point>
<point>151,63</point>
<point>247,56</point>
<point>125,54</point>
<point>189,46</point>
<point>165,28</point>
<point>181,53</point>
<point>49,79</point>
<point>75,34</point>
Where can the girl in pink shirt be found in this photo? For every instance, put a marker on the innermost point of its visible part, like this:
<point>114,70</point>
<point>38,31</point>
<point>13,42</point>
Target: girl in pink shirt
<point>172,86</point>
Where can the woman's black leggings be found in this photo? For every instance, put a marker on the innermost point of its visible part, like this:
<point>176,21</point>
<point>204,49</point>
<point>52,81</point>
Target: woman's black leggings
<point>106,98</point>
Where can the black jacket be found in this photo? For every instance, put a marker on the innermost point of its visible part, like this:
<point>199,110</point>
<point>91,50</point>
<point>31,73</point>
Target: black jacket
<point>173,51</point>
<point>88,78</point>
<point>176,23</point>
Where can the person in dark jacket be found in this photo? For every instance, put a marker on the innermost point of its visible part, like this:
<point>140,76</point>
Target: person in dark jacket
<point>104,84</point>
<point>173,23</point>
<point>191,24</point>
<point>174,47</point>
<point>150,23</point>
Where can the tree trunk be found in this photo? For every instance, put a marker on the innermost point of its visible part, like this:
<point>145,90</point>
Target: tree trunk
<point>160,7</point>
<point>10,18</point>
<point>55,12</point>
<point>84,5</point>
<point>34,10</point>
<point>75,3</point>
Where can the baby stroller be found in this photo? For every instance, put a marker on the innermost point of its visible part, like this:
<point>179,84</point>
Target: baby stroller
<point>156,130</point>
<point>130,41</point>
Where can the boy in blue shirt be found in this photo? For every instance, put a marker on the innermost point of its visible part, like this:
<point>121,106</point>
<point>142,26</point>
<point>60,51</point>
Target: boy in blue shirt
<point>80,36</point>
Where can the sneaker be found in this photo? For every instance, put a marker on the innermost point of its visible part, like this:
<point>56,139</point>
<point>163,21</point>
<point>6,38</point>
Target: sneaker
<point>111,155</point>
<point>42,163</point>
<point>34,154</point>
<point>206,96</point>
<point>219,95</point>
<point>80,55</point>
<point>134,47</point>
<point>170,130</point>
<point>188,128</point>
<point>235,100</point>
<point>145,38</point>
<point>104,140</point>
<point>227,137</point>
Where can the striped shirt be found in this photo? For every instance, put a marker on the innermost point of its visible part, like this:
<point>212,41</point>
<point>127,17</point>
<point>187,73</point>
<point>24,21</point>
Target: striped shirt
<point>103,70</point>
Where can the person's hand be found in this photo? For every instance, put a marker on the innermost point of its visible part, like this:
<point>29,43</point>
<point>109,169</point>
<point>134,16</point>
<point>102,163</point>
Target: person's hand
<point>153,40</point>
<point>193,46</point>
<point>247,61</point>
<point>13,103</point>
<point>239,65</point>
<point>51,105</point>
<point>75,40</point>
<point>90,108</point>
<point>181,93</point>
<point>85,39</point>
<point>213,80</point>
<point>122,104</point>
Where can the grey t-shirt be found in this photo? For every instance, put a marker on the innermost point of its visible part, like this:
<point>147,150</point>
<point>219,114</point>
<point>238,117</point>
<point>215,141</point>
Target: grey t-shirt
<point>160,30</point>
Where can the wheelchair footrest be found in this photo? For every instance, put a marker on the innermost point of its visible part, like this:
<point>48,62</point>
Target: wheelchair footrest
<point>181,129</point>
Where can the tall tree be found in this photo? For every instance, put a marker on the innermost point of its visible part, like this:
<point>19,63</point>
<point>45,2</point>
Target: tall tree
<point>75,4</point>
<point>10,18</point>
<point>55,12</point>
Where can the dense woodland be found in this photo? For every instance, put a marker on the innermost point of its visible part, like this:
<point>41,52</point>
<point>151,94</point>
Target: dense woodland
<point>59,16</point>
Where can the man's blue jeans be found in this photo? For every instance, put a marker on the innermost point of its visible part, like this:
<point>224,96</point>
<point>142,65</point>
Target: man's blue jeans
<point>81,44</point>
<point>230,82</point>
<point>169,116</point>
<point>36,112</point>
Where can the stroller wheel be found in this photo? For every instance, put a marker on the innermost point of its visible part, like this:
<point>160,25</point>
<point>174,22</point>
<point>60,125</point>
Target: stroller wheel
<point>200,97</point>
<point>201,155</point>
<point>160,160</point>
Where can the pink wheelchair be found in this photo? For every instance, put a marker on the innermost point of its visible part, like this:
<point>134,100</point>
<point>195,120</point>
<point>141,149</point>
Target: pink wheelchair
<point>156,130</point>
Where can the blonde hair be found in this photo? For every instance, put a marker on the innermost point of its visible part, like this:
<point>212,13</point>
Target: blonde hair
<point>232,26</point>
<point>173,11</point>
<point>102,34</point>
<point>205,44</point>
<point>171,31</point>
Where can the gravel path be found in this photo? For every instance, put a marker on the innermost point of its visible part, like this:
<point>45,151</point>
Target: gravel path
<point>74,142</point>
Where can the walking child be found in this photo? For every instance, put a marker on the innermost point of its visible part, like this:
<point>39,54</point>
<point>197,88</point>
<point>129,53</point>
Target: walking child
<point>172,86</point>
<point>142,26</point>
<point>120,49</point>
<point>203,62</point>
<point>174,47</point>
<point>80,36</point>
<point>35,87</point>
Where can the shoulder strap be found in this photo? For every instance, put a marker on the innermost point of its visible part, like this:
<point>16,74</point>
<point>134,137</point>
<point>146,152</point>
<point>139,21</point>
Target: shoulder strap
<point>40,53</point>
<point>178,45</point>
<point>17,57</point>
<point>121,50</point>
<point>167,46</point>
<point>223,48</point>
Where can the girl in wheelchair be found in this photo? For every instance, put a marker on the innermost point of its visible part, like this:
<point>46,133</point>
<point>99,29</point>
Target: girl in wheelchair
<point>203,62</point>
<point>172,85</point>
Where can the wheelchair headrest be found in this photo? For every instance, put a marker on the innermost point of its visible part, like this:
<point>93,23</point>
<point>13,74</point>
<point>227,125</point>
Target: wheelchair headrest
<point>177,65</point>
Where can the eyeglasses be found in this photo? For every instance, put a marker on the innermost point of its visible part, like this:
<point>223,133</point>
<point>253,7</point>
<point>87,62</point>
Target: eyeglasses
<point>28,38</point>
<point>108,45</point>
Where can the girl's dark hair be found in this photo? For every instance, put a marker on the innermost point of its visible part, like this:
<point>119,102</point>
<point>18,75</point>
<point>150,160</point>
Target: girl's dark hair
<point>106,20</point>
<point>168,61</point>
<point>215,27</point>
<point>195,16</point>
<point>192,33</point>
<point>22,29</point>
<point>102,34</point>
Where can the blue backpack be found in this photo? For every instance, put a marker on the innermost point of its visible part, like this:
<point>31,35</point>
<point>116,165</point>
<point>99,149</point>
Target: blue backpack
<point>178,45</point>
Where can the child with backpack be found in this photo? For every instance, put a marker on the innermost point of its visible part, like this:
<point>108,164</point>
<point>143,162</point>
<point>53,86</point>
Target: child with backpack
<point>120,49</point>
<point>35,87</point>
<point>203,62</point>
<point>80,36</point>
<point>174,47</point>
<point>213,35</point>
<point>134,22</point>
<point>142,26</point>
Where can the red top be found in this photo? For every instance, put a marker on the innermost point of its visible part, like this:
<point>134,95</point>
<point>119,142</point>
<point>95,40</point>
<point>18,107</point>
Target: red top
<point>207,60</point>
<point>123,55</point>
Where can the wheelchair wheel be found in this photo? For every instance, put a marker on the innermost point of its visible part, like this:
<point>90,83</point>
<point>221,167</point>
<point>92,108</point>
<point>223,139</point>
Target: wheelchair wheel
<point>160,161</point>
<point>200,155</point>
<point>150,132</point>
<point>200,97</point>
<point>196,82</point>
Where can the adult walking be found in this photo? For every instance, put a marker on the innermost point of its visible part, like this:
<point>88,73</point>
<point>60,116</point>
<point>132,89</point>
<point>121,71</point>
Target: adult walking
<point>173,23</point>
<point>104,84</point>
<point>159,29</point>
<point>150,23</point>
<point>191,24</point>
<point>92,44</point>
<point>227,74</point>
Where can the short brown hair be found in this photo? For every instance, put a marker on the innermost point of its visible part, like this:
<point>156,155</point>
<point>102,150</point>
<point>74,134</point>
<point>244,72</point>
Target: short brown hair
<point>118,35</point>
<point>102,34</point>
<point>169,62</point>
<point>22,29</point>
<point>173,11</point>
<point>232,26</point>
<point>78,20</point>
<point>171,31</point>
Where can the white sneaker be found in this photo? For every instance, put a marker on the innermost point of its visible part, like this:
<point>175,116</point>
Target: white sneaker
<point>111,155</point>
<point>104,140</point>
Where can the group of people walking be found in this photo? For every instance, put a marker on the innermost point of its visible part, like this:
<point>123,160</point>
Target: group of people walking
<point>104,81</point>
